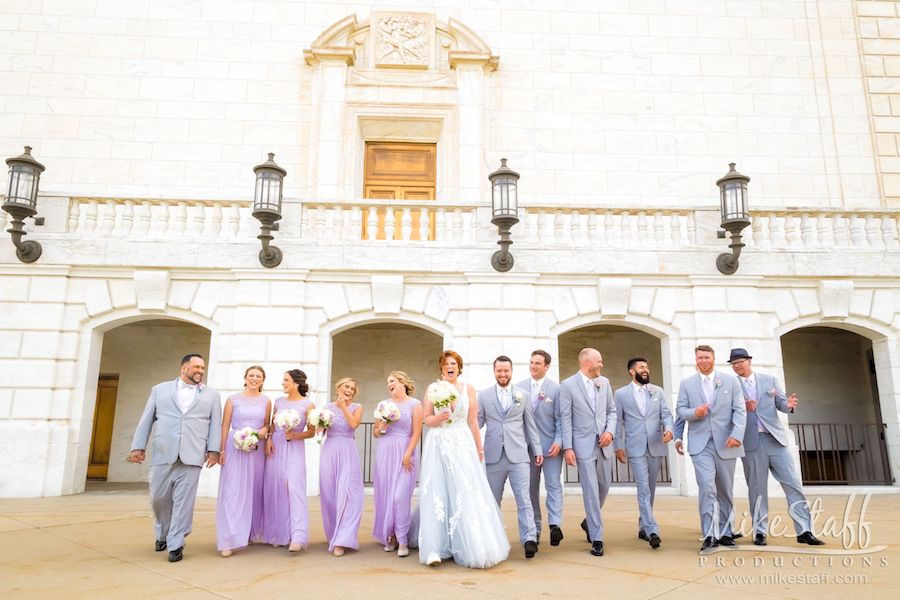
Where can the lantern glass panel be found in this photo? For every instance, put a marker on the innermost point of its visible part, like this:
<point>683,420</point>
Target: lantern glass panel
<point>268,192</point>
<point>734,201</point>
<point>22,186</point>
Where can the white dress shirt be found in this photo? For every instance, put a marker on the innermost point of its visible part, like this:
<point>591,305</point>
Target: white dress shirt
<point>753,394</point>
<point>505,396</point>
<point>186,394</point>
<point>640,394</point>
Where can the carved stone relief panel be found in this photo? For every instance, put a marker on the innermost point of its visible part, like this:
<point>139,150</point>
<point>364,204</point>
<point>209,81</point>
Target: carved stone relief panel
<point>402,40</point>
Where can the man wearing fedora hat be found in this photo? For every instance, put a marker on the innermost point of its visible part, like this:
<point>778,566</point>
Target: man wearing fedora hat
<point>765,449</point>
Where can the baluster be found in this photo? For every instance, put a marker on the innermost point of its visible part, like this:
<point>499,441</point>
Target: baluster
<point>320,222</point>
<point>457,224</point>
<point>855,230</point>
<point>406,224</point>
<point>469,231</point>
<point>146,214</point>
<point>806,230</point>
<point>691,229</point>
<point>215,228</point>
<point>372,224</point>
<point>109,218</point>
<point>790,233</point>
<point>659,231</point>
<point>609,231</point>
<point>577,234</point>
<point>887,231</point>
<point>304,222</point>
<point>775,232</point>
<point>675,226</point>
<point>355,223</point>
<point>162,218</point>
<point>234,220</point>
<point>424,225</point>
<point>127,218</point>
<point>180,218</point>
<point>593,232</point>
<point>897,227</point>
<point>74,216</point>
<point>872,231</point>
<point>90,222</point>
<point>557,227</point>
<point>756,225</point>
<point>625,227</point>
<point>199,221</point>
<point>440,226</point>
<point>390,224</point>
<point>542,226</point>
<point>840,231</point>
<point>642,226</point>
<point>822,230</point>
<point>338,223</point>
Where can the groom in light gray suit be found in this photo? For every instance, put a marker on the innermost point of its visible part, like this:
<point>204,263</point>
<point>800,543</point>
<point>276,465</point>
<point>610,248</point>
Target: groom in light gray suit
<point>545,405</point>
<point>188,418</point>
<point>766,449</point>
<point>713,403</point>
<point>588,426</point>
<point>511,432</point>
<point>641,412</point>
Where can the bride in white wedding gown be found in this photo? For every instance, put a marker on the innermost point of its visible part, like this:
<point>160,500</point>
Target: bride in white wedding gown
<point>458,516</point>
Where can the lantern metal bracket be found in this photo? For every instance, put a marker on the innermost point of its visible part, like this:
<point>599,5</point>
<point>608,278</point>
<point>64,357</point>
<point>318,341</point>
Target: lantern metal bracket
<point>728,263</point>
<point>267,211</point>
<point>502,260</point>
<point>26,251</point>
<point>270,256</point>
<point>733,222</point>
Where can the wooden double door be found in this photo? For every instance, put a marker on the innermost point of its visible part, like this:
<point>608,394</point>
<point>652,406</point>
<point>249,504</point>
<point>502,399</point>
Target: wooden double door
<point>399,171</point>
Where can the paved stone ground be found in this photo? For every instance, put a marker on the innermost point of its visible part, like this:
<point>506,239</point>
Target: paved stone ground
<point>100,545</point>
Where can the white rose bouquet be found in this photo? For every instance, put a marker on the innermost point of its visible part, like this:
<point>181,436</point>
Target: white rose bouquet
<point>287,420</point>
<point>321,417</point>
<point>441,394</point>
<point>387,411</point>
<point>246,439</point>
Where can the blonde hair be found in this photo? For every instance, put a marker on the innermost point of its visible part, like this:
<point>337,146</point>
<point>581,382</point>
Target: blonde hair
<point>344,380</point>
<point>257,368</point>
<point>405,380</point>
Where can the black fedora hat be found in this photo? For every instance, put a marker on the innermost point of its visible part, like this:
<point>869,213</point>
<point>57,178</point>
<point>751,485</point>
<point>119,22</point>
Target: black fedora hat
<point>738,354</point>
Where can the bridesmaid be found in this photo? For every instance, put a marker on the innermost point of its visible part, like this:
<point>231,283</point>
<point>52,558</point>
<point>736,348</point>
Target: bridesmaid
<point>287,515</point>
<point>340,475</point>
<point>239,509</point>
<point>396,460</point>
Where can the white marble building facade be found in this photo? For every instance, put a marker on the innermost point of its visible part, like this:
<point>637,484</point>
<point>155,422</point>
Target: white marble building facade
<point>620,116</point>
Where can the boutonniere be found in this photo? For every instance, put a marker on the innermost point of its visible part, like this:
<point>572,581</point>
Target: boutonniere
<point>518,396</point>
<point>718,382</point>
<point>772,393</point>
<point>598,384</point>
<point>541,396</point>
<point>652,394</point>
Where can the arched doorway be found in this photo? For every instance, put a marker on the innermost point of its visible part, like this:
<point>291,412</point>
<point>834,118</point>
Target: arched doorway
<point>838,423</point>
<point>618,344</point>
<point>368,353</point>
<point>134,358</point>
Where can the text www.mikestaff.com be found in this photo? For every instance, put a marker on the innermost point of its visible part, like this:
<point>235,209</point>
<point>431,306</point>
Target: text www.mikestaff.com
<point>799,578</point>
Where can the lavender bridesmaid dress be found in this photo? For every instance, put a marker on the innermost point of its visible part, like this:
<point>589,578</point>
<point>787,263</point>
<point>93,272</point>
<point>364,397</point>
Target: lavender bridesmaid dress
<point>287,515</point>
<point>239,508</point>
<point>394,486</point>
<point>340,483</point>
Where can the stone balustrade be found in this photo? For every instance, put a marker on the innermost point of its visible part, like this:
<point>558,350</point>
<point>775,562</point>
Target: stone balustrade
<point>399,222</point>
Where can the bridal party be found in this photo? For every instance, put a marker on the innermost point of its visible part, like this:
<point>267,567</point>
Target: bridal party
<point>444,502</point>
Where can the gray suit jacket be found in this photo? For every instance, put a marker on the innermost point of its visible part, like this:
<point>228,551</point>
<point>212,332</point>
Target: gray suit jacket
<point>637,433</point>
<point>726,418</point>
<point>188,436</point>
<point>580,423</point>
<point>547,416</point>
<point>514,431</point>
<point>766,411</point>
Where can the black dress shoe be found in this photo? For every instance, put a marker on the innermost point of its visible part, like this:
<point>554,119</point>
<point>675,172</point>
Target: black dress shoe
<point>586,532</point>
<point>709,543</point>
<point>737,536</point>
<point>760,539</point>
<point>160,546</point>
<point>538,539</point>
<point>597,548</point>
<point>642,535</point>
<point>654,541</point>
<point>556,535</point>
<point>808,538</point>
<point>531,548</point>
<point>727,541</point>
<point>176,555</point>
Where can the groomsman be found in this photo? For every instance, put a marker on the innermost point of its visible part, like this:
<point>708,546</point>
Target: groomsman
<point>588,425</point>
<point>547,416</point>
<point>511,433</point>
<point>641,411</point>
<point>713,403</point>
<point>188,418</point>
<point>766,449</point>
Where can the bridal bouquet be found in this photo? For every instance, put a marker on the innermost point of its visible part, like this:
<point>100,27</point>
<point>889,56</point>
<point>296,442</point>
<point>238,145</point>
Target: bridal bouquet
<point>321,417</point>
<point>442,394</point>
<point>387,411</point>
<point>286,420</point>
<point>246,439</point>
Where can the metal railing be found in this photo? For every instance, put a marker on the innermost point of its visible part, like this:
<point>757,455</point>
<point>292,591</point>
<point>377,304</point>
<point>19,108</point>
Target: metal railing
<point>843,454</point>
<point>621,474</point>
